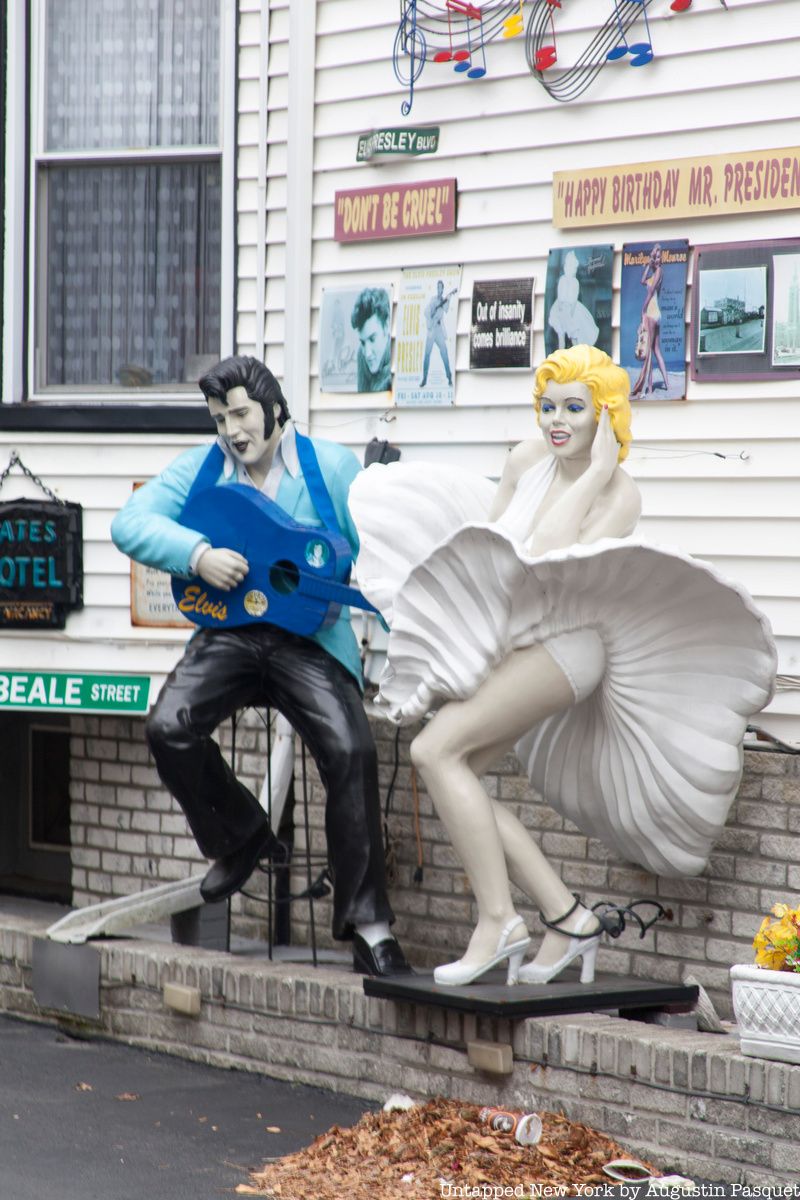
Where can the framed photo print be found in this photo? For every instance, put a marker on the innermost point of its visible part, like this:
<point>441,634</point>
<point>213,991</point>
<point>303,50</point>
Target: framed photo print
<point>577,297</point>
<point>355,338</point>
<point>746,311</point>
<point>652,327</point>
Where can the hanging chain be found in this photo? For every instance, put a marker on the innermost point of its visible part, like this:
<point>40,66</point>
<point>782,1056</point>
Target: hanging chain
<point>16,461</point>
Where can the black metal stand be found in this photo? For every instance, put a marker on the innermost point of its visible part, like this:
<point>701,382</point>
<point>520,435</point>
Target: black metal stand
<point>279,896</point>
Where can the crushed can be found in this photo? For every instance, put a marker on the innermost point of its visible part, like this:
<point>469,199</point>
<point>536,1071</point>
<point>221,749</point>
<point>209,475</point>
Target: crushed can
<point>526,1127</point>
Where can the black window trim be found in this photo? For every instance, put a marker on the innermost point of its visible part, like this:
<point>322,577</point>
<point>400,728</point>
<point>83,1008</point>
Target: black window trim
<point>111,417</point>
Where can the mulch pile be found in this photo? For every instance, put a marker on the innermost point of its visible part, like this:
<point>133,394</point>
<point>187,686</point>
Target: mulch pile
<point>406,1155</point>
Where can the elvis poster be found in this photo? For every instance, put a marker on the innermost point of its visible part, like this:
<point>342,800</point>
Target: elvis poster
<point>427,315</point>
<point>355,339</point>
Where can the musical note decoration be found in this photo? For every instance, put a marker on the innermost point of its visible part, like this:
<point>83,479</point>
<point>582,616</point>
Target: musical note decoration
<point>641,52</point>
<point>457,32</point>
<point>409,44</point>
<point>454,32</point>
<point>514,25</point>
<point>546,55</point>
<point>609,43</point>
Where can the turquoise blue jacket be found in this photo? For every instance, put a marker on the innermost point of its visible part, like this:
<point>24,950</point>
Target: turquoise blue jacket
<point>147,528</point>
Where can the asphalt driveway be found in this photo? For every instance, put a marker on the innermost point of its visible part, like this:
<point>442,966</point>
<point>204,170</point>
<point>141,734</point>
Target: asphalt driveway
<point>94,1120</point>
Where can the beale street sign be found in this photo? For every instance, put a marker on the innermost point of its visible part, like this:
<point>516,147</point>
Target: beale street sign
<point>62,691</point>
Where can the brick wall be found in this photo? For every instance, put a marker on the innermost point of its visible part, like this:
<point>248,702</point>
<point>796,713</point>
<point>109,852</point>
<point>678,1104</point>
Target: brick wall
<point>690,1102</point>
<point>128,835</point>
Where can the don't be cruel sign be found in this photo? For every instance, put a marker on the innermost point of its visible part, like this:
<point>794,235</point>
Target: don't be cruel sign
<point>396,210</point>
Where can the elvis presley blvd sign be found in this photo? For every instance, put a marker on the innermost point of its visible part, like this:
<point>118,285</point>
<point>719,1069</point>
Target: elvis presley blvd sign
<point>395,142</point>
<point>708,186</point>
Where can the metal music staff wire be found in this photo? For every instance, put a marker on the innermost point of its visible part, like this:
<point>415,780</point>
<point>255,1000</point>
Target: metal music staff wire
<point>574,80</point>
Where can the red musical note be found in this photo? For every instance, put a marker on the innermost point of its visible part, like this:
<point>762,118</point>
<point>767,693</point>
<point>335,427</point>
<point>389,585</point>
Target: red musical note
<point>466,9</point>
<point>462,58</point>
<point>546,56</point>
<point>445,55</point>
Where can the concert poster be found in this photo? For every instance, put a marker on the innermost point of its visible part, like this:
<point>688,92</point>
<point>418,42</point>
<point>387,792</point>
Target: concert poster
<point>500,335</point>
<point>577,298</point>
<point>652,327</point>
<point>427,316</point>
<point>355,338</point>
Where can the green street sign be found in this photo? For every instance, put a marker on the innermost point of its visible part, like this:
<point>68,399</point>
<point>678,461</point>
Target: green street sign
<point>424,139</point>
<point>60,691</point>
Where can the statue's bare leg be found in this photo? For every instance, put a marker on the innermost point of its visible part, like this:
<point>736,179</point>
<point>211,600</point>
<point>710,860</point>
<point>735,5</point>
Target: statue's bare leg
<point>527,687</point>
<point>528,868</point>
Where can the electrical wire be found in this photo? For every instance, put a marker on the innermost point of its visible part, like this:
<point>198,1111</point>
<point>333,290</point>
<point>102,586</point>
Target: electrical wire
<point>743,455</point>
<point>418,874</point>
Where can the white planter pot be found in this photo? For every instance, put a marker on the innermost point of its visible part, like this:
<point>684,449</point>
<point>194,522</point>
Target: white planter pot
<point>767,1008</point>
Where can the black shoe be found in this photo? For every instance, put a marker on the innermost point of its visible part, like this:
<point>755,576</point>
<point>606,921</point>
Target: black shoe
<point>233,870</point>
<point>386,958</point>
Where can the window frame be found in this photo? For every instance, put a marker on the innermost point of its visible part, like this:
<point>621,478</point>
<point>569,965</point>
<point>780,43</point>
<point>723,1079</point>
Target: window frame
<point>100,409</point>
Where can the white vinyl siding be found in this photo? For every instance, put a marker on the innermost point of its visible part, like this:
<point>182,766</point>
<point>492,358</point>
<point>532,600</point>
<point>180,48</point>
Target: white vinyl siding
<point>721,81</point>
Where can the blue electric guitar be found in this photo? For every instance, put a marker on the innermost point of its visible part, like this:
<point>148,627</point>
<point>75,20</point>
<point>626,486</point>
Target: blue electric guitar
<point>299,574</point>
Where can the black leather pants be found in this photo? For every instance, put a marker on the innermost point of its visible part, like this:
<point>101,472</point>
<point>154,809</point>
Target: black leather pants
<point>223,670</point>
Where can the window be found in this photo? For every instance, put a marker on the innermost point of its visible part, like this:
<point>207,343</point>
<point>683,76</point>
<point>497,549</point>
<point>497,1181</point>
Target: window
<point>49,768</point>
<point>127,264</point>
<point>35,806</point>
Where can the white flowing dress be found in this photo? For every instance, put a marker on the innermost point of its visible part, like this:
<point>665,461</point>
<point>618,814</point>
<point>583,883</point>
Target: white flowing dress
<point>649,762</point>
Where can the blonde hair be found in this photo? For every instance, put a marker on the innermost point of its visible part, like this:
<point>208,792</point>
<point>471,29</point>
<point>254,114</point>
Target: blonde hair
<point>608,384</point>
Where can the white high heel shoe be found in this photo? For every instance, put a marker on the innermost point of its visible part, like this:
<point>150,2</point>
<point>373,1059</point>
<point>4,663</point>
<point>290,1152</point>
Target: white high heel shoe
<point>581,945</point>
<point>458,974</point>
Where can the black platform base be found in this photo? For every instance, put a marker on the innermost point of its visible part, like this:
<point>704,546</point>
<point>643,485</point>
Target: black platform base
<point>491,997</point>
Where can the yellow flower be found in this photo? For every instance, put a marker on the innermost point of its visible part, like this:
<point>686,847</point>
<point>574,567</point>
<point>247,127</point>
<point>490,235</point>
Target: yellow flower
<point>777,943</point>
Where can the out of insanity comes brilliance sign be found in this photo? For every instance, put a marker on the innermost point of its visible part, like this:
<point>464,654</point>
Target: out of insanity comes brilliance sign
<point>396,210</point>
<point>755,181</point>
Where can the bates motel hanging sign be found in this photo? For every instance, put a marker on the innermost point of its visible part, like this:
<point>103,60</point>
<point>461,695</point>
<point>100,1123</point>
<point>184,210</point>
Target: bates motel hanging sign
<point>41,563</point>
